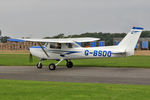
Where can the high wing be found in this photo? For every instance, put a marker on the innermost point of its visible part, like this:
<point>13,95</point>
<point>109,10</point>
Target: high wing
<point>59,40</point>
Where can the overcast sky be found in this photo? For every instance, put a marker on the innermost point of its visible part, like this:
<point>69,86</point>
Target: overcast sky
<point>41,18</point>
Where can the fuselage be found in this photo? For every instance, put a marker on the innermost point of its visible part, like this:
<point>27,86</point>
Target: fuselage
<point>76,52</point>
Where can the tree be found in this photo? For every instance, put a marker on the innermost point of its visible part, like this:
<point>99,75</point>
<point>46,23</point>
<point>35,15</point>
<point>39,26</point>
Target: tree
<point>4,39</point>
<point>107,37</point>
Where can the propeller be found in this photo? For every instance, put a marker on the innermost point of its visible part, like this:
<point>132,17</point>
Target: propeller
<point>30,57</point>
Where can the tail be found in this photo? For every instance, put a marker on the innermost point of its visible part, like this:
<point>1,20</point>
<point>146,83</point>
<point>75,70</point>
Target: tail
<point>129,42</point>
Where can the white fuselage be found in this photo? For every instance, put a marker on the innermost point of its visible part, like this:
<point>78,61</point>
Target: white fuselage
<point>77,53</point>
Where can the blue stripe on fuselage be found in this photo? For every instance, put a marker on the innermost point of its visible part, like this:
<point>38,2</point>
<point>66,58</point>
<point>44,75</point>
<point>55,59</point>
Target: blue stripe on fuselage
<point>66,52</point>
<point>71,52</point>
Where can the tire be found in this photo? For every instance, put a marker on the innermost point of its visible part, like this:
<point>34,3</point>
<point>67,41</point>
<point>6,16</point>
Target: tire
<point>69,64</point>
<point>39,65</point>
<point>52,66</point>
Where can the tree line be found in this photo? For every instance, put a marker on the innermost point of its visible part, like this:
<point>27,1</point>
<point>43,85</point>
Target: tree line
<point>107,37</point>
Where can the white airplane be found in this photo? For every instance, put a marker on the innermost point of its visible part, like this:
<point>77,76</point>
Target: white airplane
<point>68,49</point>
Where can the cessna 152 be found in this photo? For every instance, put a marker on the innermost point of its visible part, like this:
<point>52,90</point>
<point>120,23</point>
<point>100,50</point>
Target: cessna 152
<point>68,49</point>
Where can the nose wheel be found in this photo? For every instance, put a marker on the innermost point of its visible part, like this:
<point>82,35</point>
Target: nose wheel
<point>39,65</point>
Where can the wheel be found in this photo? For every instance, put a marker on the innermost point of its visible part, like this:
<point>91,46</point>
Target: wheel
<point>69,64</point>
<point>52,66</point>
<point>39,65</point>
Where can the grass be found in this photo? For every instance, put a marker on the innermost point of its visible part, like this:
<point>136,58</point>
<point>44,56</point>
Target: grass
<point>35,90</point>
<point>23,60</point>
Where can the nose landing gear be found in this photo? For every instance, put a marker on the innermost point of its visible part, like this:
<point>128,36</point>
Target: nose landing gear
<point>39,65</point>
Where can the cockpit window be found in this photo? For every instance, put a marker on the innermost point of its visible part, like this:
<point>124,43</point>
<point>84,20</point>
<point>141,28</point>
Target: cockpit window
<point>55,45</point>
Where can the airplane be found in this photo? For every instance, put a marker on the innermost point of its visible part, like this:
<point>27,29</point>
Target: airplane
<point>69,49</point>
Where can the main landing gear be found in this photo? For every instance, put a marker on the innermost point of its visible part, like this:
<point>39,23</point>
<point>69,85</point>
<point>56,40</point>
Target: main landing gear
<point>69,64</point>
<point>52,66</point>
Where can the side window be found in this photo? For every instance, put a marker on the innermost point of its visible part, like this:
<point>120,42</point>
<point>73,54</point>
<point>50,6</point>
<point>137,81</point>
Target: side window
<point>52,45</point>
<point>55,45</point>
<point>69,45</point>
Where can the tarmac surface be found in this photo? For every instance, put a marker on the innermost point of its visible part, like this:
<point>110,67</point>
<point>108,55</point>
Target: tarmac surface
<point>78,74</point>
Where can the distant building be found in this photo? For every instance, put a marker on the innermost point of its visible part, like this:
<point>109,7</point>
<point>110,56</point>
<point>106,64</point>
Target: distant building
<point>16,46</point>
<point>143,43</point>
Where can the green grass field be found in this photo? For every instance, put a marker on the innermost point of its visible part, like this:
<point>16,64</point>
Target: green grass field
<point>41,90</point>
<point>23,60</point>
<point>35,90</point>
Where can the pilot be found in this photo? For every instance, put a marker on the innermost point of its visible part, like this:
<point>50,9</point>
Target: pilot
<point>58,46</point>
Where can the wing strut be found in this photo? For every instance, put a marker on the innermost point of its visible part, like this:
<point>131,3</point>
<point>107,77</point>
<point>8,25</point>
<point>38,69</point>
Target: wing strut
<point>43,49</point>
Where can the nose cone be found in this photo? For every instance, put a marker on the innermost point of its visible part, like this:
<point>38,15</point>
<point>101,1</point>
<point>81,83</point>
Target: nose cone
<point>31,49</point>
<point>35,51</point>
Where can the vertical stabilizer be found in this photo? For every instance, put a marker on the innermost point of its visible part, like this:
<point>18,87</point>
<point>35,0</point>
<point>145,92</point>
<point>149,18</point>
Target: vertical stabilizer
<point>129,42</point>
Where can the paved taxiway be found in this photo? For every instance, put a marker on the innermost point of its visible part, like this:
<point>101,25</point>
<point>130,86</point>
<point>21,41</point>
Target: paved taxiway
<point>78,74</point>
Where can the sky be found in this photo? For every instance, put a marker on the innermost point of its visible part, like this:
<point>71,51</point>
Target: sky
<point>42,18</point>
